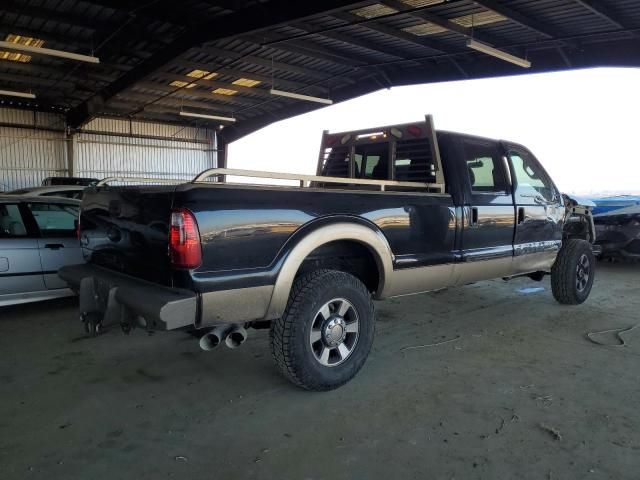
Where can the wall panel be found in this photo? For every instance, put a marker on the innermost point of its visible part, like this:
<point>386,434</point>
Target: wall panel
<point>105,147</point>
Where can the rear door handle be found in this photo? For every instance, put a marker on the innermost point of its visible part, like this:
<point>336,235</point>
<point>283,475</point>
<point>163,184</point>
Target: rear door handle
<point>520,215</point>
<point>473,221</point>
<point>54,246</point>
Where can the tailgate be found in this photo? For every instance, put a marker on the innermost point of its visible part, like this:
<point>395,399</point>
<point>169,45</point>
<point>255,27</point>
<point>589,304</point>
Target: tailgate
<point>126,229</point>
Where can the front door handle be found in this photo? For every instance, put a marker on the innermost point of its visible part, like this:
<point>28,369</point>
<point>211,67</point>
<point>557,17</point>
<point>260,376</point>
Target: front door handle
<point>520,215</point>
<point>54,246</point>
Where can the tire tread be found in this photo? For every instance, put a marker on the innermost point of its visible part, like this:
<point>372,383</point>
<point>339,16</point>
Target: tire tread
<point>562,273</point>
<point>281,332</point>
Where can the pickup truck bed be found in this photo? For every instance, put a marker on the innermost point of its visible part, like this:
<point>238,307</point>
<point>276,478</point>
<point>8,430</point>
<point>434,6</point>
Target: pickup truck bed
<point>392,211</point>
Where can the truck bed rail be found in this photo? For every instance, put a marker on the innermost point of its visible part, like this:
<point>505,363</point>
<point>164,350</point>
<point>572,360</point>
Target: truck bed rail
<point>171,181</point>
<point>307,180</point>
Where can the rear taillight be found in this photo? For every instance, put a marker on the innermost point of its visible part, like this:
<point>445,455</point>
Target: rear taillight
<point>184,240</point>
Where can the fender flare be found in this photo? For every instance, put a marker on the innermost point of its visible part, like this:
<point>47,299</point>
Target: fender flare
<point>374,240</point>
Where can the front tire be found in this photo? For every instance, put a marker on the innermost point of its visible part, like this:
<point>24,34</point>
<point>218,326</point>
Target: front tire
<point>573,272</point>
<point>326,332</point>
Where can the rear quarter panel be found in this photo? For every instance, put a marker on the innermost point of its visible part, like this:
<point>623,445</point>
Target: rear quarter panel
<point>247,231</point>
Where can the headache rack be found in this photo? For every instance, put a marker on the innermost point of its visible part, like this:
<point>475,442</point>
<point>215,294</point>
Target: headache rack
<point>413,145</point>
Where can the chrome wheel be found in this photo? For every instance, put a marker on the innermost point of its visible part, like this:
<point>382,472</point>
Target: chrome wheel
<point>583,271</point>
<point>334,332</point>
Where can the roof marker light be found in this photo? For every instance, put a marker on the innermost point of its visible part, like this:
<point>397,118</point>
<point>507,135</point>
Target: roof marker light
<point>414,130</point>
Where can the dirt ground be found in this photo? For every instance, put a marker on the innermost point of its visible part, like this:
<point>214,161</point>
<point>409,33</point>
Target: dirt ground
<point>519,393</point>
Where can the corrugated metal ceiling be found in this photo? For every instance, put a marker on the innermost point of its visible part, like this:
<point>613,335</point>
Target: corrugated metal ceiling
<point>326,49</point>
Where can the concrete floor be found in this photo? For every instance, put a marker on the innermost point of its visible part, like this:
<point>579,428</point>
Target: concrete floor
<point>484,406</point>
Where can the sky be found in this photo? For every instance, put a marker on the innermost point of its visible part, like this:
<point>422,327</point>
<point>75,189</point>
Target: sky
<point>582,125</point>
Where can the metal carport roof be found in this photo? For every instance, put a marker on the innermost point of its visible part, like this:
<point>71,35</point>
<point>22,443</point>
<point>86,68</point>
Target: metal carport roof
<point>159,57</point>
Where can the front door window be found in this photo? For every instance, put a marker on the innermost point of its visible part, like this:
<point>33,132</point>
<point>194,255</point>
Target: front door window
<point>532,182</point>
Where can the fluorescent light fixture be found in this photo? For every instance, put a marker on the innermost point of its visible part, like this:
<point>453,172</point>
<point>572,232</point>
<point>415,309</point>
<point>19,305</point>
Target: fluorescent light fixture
<point>209,117</point>
<point>48,51</point>
<point>298,96</point>
<point>17,94</point>
<point>494,52</point>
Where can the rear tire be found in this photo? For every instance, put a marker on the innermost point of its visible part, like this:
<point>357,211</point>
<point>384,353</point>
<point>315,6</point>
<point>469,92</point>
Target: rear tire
<point>326,332</point>
<point>573,272</point>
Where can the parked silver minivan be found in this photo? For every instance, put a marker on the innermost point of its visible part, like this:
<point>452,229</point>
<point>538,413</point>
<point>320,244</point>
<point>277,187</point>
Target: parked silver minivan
<point>37,237</point>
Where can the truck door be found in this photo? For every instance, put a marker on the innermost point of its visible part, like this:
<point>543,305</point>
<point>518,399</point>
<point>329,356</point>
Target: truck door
<point>540,212</point>
<point>488,213</point>
<point>58,243</point>
<point>20,270</point>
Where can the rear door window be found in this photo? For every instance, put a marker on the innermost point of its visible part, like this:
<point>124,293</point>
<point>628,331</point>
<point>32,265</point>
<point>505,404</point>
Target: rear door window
<point>55,220</point>
<point>485,166</point>
<point>11,222</point>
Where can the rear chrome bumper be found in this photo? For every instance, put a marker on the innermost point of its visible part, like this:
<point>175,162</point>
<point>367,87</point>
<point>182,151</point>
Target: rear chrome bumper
<point>122,299</point>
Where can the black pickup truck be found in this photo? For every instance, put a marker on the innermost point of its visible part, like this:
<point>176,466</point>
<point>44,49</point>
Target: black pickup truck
<point>391,211</point>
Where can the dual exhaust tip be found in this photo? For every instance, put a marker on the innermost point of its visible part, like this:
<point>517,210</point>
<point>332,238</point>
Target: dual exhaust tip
<point>233,336</point>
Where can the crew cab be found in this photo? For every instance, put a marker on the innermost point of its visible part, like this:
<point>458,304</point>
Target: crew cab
<point>391,211</point>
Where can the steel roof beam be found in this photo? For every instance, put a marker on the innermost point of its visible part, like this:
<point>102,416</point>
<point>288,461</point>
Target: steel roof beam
<point>241,22</point>
<point>125,108</point>
<point>136,100</point>
<point>441,22</point>
<point>196,93</point>
<point>603,11</point>
<point>65,40</point>
<point>83,21</point>
<point>168,14</point>
<point>130,30</point>
<point>231,72</point>
<point>307,48</point>
<point>258,92</point>
<point>351,40</point>
<point>395,33</point>
<point>264,62</point>
<point>32,69</point>
<point>32,81</point>
<point>517,17</point>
